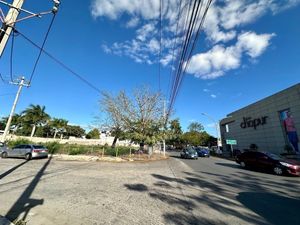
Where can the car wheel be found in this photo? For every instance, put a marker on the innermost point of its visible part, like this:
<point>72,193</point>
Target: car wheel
<point>4,155</point>
<point>278,170</point>
<point>243,164</point>
<point>28,156</point>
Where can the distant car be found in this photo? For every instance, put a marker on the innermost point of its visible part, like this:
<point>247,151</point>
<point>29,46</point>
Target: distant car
<point>202,152</point>
<point>270,162</point>
<point>25,151</point>
<point>189,153</point>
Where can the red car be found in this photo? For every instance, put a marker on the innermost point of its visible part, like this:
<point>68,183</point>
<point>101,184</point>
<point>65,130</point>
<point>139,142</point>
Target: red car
<point>270,162</point>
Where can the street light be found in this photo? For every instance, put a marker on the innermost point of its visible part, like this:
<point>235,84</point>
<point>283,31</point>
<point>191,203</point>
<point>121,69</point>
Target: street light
<point>216,125</point>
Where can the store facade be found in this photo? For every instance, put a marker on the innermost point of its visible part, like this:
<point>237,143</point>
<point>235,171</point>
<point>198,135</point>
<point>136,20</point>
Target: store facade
<point>270,124</point>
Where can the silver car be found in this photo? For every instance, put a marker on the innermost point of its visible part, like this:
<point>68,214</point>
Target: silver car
<point>25,151</point>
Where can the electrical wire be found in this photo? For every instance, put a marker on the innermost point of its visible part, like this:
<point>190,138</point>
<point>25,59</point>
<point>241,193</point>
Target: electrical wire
<point>185,46</point>
<point>41,48</point>
<point>2,79</point>
<point>174,46</point>
<point>192,48</point>
<point>187,50</point>
<point>11,55</point>
<point>160,44</point>
<point>184,63</point>
<point>60,63</point>
<point>182,45</point>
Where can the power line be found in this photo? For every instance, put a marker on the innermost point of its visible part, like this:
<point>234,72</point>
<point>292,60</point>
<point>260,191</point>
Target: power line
<point>11,55</point>
<point>2,79</point>
<point>182,71</point>
<point>187,49</point>
<point>160,44</point>
<point>183,53</point>
<point>60,63</point>
<point>182,45</point>
<point>174,46</point>
<point>42,47</point>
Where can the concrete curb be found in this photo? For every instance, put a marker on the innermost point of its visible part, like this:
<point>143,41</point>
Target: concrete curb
<point>4,221</point>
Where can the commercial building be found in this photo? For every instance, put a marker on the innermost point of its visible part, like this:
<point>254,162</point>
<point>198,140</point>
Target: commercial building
<point>271,124</point>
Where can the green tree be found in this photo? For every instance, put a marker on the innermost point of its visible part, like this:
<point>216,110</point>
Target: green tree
<point>192,138</point>
<point>195,126</point>
<point>93,134</point>
<point>58,126</point>
<point>174,133</point>
<point>75,131</point>
<point>34,116</point>
<point>16,123</point>
<point>2,123</point>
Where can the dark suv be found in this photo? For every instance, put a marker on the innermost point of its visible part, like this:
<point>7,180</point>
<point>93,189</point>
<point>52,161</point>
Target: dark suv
<point>189,153</point>
<point>270,162</point>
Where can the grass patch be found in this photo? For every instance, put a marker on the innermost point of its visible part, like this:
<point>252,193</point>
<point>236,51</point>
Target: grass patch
<point>53,147</point>
<point>74,149</point>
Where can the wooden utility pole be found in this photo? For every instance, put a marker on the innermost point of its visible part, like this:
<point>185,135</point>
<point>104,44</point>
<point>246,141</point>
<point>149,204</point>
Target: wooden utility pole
<point>9,22</point>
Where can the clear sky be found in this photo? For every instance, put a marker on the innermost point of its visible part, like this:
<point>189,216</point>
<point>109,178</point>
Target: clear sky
<point>249,49</point>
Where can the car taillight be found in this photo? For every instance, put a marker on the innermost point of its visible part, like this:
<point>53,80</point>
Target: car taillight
<point>36,150</point>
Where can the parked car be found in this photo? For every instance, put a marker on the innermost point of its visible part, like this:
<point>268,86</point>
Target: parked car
<point>189,153</point>
<point>26,151</point>
<point>270,162</point>
<point>3,147</point>
<point>202,152</point>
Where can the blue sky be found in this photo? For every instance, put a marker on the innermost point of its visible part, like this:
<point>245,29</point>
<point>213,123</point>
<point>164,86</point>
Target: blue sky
<point>249,49</point>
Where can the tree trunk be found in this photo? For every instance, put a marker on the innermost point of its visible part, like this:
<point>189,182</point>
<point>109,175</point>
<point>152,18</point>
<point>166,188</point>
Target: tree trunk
<point>55,133</point>
<point>142,144</point>
<point>113,145</point>
<point>33,130</point>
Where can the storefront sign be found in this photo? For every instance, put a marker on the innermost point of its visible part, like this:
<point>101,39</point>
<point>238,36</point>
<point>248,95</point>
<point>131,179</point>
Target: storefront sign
<point>231,142</point>
<point>249,122</point>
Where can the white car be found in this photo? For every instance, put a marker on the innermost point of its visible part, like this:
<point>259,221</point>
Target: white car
<point>27,151</point>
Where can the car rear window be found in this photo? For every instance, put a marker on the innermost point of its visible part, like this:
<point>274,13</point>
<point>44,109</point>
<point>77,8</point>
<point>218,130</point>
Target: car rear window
<point>38,147</point>
<point>192,151</point>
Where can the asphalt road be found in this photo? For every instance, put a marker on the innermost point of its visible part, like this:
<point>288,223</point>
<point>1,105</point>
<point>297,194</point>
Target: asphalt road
<point>269,199</point>
<point>174,191</point>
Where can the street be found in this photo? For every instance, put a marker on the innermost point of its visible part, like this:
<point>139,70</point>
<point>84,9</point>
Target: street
<point>174,191</point>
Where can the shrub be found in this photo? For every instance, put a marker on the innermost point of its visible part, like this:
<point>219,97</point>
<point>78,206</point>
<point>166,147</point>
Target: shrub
<point>53,147</point>
<point>19,141</point>
<point>78,150</point>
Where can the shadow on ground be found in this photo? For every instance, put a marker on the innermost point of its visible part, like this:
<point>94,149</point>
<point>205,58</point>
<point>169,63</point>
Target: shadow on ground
<point>233,198</point>
<point>276,209</point>
<point>24,203</point>
<point>12,169</point>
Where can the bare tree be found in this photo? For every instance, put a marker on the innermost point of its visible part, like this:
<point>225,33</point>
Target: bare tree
<point>139,118</point>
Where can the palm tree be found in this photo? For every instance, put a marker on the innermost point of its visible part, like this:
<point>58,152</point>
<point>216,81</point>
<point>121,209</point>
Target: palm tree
<point>59,126</point>
<point>35,115</point>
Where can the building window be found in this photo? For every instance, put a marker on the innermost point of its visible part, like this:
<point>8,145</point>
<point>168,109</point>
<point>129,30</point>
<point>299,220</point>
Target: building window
<point>227,128</point>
